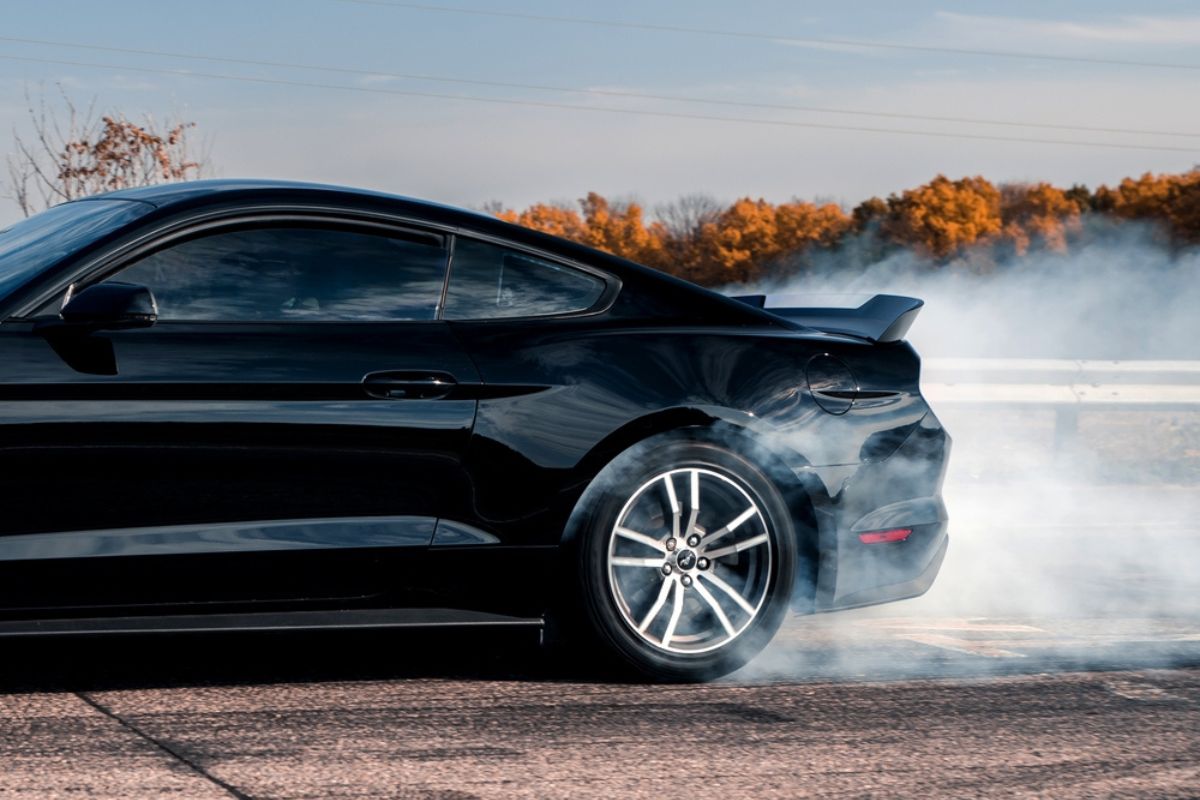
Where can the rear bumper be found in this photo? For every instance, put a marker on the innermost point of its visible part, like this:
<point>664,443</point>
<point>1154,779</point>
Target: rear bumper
<point>882,573</point>
<point>902,491</point>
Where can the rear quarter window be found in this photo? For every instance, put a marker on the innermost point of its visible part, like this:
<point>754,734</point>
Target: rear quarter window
<point>489,281</point>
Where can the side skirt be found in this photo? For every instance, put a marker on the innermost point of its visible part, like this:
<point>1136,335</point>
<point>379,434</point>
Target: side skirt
<point>272,621</point>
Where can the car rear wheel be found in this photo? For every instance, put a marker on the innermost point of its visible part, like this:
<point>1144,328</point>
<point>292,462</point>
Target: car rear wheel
<point>687,559</point>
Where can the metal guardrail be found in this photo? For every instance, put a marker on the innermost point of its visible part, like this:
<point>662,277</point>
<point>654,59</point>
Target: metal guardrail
<point>1067,387</point>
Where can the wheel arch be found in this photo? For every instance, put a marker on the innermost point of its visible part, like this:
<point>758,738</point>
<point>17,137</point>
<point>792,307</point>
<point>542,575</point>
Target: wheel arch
<point>804,494</point>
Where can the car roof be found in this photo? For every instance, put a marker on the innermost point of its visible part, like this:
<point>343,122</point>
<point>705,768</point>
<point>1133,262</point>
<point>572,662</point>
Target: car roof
<point>165,195</point>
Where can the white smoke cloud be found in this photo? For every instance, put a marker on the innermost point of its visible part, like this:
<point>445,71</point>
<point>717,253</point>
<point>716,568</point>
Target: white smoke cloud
<point>1100,537</point>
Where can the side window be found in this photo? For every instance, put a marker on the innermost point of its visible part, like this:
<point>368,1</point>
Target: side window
<point>295,273</point>
<point>488,282</point>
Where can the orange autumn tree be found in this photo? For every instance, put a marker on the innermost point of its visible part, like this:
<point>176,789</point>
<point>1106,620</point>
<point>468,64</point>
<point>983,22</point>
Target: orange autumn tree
<point>943,217</point>
<point>1037,214</point>
<point>619,229</point>
<point>753,234</point>
<point>802,225</point>
<point>1173,201</point>
<point>1184,214</point>
<point>744,234</point>
<point>868,215</point>
<point>552,219</point>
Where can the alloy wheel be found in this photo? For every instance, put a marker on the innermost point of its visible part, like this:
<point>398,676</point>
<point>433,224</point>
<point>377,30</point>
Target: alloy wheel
<point>689,560</point>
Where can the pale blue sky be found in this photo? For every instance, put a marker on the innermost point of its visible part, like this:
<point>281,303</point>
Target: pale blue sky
<point>467,152</point>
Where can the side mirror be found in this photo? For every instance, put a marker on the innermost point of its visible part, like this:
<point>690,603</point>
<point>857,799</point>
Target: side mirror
<point>110,306</point>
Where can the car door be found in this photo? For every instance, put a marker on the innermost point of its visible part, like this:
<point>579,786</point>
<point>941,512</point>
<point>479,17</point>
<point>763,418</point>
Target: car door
<point>288,431</point>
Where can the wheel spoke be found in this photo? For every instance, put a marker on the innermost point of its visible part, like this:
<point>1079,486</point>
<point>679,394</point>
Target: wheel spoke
<point>660,540</point>
<point>733,525</point>
<point>676,612</point>
<point>729,550</point>
<point>659,602</point>
<point>628,561</point>
<point>641,538</point>
<point>674,501</point>
<point>716,607</point>
<point>729,590</point>
<point>694,511</point>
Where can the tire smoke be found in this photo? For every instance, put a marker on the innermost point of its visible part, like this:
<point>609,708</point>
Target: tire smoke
<point>1080,555</point>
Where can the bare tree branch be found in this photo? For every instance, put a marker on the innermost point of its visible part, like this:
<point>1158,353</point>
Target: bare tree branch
<point>71,155</point>
<point>683,218</point>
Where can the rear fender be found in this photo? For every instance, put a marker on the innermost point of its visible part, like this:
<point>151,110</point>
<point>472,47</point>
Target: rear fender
<point>802,490</point>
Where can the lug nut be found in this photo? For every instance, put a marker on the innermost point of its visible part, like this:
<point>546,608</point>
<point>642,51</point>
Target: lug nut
<point>702,563</point>
<point>666,569</point>
<point>686,580</point>
<point>671,545</point>
<point>693,540</point>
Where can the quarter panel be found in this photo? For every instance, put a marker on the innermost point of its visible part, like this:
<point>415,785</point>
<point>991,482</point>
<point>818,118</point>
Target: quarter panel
<point>529,454</point>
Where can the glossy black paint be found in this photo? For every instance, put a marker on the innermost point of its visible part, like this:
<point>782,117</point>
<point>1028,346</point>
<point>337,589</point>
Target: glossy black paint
<point>295,466</point>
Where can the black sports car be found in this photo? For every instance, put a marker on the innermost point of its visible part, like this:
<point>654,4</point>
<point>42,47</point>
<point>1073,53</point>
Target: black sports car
<point>260,405</point>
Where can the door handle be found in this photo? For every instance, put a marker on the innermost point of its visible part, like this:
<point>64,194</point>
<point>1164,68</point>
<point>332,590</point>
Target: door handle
<point>408,385</point>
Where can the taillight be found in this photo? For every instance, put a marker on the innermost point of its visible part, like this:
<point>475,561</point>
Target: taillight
<point>881,537</point>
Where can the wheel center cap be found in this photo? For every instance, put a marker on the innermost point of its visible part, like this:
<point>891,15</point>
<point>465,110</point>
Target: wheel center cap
<point>686,559</point>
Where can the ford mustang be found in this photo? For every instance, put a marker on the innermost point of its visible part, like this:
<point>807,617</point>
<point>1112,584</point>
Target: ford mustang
<point>260,405</point>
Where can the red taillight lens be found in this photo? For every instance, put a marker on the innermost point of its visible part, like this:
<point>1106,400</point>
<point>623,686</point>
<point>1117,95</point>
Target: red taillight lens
<point>880,537</point>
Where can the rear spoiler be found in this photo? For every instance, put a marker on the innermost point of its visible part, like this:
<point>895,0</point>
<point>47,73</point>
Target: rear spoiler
<point>883,318</point>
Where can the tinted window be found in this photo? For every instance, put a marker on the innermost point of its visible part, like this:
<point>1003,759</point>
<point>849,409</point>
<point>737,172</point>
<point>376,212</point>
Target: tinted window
<point>45,239</point>
<point>487,281</point>
<point>294,273</point>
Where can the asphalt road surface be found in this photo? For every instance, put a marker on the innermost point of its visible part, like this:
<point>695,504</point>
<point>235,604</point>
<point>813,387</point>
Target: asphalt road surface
<point>1056,658</point>
<point>858,705</point>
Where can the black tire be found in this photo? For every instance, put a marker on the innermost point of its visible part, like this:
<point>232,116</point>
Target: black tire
<point>714,641</point>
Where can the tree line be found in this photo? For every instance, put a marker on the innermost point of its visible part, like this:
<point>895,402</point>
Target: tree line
<point>969,221</point>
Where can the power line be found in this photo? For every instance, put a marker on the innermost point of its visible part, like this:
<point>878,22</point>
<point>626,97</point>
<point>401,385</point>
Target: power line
<point>594,92</point>
<point>596,109</point>
<point>773,37</point>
